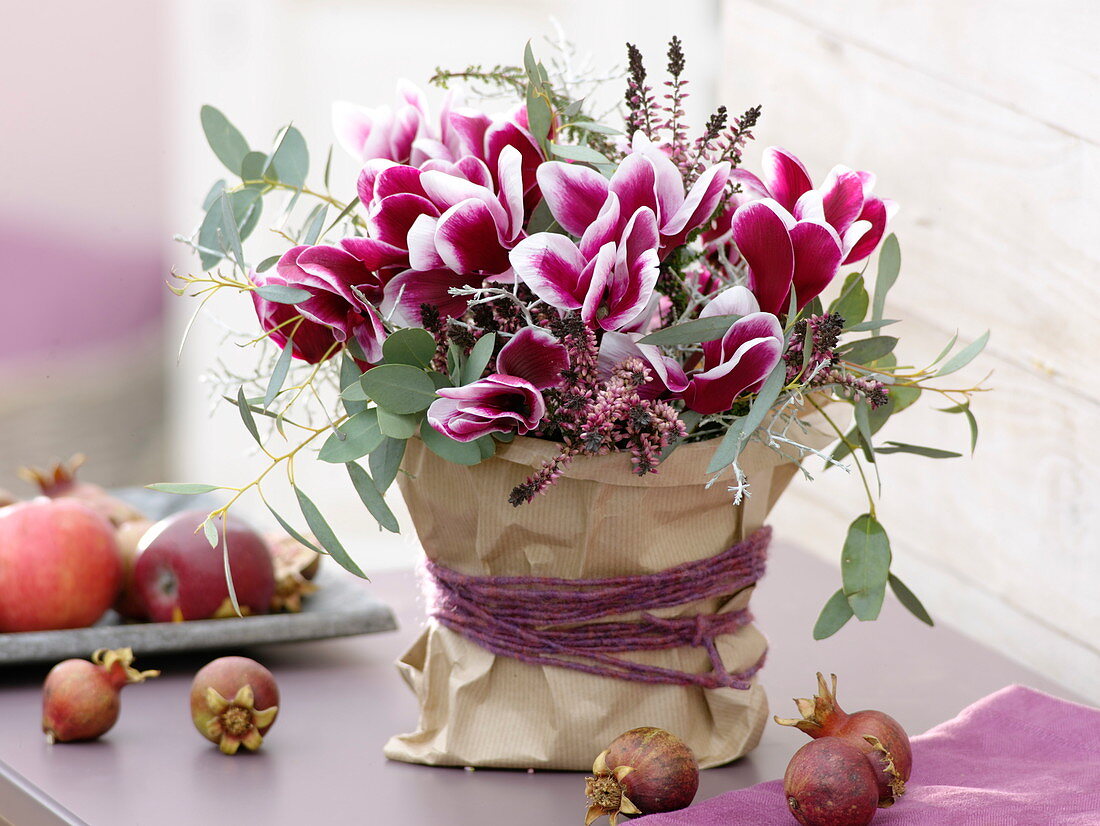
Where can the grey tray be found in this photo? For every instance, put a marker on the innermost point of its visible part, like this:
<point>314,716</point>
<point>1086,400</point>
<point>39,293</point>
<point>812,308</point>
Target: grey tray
<point>342,607</point>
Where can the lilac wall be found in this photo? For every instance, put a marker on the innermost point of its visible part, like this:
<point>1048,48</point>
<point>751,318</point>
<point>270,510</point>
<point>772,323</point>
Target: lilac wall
<point>82,228</point>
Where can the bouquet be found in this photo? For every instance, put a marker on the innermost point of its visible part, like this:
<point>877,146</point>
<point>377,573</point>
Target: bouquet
<point>541,273</point>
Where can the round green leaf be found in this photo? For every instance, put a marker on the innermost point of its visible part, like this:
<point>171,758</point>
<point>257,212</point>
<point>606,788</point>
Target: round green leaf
<point>399,388</point>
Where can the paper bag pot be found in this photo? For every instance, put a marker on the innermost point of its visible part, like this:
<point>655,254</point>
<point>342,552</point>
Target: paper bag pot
<point>597,521</point>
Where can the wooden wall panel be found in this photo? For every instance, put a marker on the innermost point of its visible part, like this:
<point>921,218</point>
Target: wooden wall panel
<point>998,225</point>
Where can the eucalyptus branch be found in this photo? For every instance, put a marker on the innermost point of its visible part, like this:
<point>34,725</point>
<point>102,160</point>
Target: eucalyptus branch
<point>855,455</point>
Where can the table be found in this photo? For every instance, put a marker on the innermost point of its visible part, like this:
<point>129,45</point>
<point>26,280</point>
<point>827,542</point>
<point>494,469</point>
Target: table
<point>341,700</point>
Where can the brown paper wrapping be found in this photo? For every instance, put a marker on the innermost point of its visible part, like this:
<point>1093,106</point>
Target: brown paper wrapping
<point>598,520</point>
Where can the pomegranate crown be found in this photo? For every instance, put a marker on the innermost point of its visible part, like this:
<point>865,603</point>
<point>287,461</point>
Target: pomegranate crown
<point>118,662</point>
<point>58,476</point>
<point>819,712</point>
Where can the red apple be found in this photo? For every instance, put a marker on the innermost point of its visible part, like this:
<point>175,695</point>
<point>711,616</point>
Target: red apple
<point>179,576</point>
<point>59,565</point>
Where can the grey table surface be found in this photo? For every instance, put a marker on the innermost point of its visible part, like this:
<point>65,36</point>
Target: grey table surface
<point>341,699</point>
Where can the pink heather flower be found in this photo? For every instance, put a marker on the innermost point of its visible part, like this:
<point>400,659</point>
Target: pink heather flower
<point>340,287</point>
<point>844,200</point>
<point>408,134</point>
<point>311,341</point>
<point>782,251</point>
<point>665,375</point>
<point>609,277</point>
<point>508,400</point>
<point>739,361</point>
<point>646,178</point>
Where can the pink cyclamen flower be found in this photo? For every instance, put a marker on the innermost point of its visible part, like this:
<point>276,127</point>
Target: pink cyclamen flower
<point>783,252</point>
<point>739,361</point>
<point>310,341</point>
<point>340,286</point>
<point>408,134</point>
<point>508,400</point>
<point>609,277</point>
<point>845,200</point>
<point>667,376</point>
<point>441,226</point>
<point>578,195</point>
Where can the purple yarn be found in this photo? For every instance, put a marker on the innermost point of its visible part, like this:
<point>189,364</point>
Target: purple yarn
<point>551,621</point>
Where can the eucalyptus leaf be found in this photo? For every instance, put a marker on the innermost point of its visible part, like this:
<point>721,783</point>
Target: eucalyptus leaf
<point>909,600</point>
<point>291,531</point>
<point>352,440</point>
<point>328,167</point>
<point>289,163</point>
<point>692,332</point>
<point>212,196</point>
<point>478,359</point>
<point>867,350</point>
<point>224,138</point>
<point>539,115</point>
<point>461,453</point>
<point>487,446</point>
<point>217,228</point>
<point>947,349</point>
<point>865,566</point>
<point>964,356</point>
<point>530,65</point>
<point>583,154</point>
<point>412,346</point>
<point>862,416</point>
<point>252,167</point>
<point>400,388</point>
<point>182,488</point>
<point>344,213</point>
<point>385,461</point>
<point>372,497</point>
<point>889,265</point>
<point>541,220</point>
<point>866,326</point>
<point>349,380</point>
<point>246,416</point>
<point>314,225</point>
<point>599,128</point>
<point>230,231</point>
<point>833,616</point>
<point>279,372</point>
<point>268,263</point>
<point>210,531</point>
<point>282,293</point>
<point>918,450</point>
<point>398,425</point>
<point>325,535</point>
<point>853,300</point>
<point>728,448</point>
<point>971,421</point>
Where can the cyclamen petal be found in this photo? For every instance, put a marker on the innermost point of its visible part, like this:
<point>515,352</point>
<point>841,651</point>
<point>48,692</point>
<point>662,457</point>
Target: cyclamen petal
<point>533,354</point>
<point>785,175</point>
<point>668,184</point>
<point>421,242</point>
<point>748,352</point>
<point>700,202</point>
<point>817,255</point>
<point>877,212</point>
<point>552,266</point>
<point>763,240</point>
<point>634,184</point>
<point>390,218</point>
<point>407,292</point>
<point>467,239</point>
<point>732,301</point>
<point>842,198</point>
<point>575,194</point>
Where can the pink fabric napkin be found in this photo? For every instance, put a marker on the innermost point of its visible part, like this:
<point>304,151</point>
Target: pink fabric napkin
<point>1018,757</point>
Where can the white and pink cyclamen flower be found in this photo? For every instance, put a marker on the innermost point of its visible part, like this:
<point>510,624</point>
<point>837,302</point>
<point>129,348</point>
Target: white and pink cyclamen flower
<point>509,399</point>
<point>624,224</point>
<point>740,360</point>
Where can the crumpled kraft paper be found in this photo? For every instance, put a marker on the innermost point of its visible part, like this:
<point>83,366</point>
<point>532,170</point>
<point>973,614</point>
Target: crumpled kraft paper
<point>598,520</point>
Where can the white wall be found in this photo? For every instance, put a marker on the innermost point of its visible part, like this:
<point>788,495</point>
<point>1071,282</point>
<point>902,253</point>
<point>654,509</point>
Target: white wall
<point>982,119</point>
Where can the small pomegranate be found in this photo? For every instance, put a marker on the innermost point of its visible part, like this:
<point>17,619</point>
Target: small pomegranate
<point>644,770</point>
<point>234,701</point>
<point>877,735</point>
<point>80,699</point>
<point>295,567</point>
<point>60,482</point>
<point>830,783</point>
